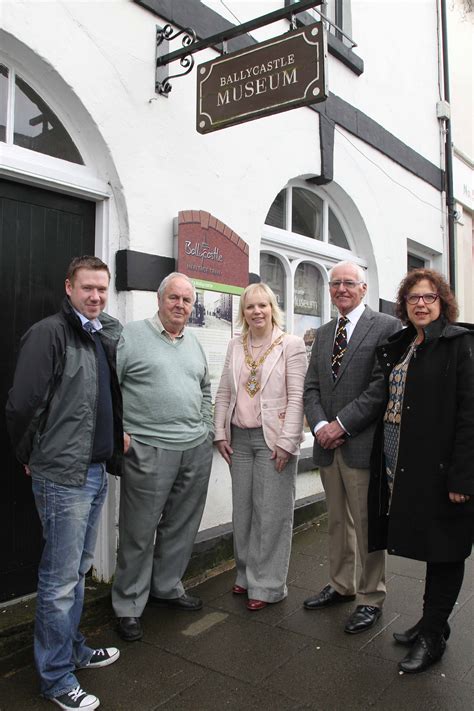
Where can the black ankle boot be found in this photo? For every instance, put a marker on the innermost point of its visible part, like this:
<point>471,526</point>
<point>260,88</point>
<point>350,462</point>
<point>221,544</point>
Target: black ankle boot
<point>410,635</point>
<point>426,650</point>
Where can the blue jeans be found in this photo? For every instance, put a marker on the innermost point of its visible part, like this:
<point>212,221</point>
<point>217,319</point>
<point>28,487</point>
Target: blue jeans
<point>70,517</point>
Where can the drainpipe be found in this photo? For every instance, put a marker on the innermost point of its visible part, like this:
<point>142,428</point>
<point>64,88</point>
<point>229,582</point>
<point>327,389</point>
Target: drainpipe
<point>449,190</point>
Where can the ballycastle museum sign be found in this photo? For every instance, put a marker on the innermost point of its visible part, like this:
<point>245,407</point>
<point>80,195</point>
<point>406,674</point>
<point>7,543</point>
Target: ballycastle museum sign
<point>279,74</point>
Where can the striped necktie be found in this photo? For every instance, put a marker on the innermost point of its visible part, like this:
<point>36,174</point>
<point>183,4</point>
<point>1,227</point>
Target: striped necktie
<point>340,346</point>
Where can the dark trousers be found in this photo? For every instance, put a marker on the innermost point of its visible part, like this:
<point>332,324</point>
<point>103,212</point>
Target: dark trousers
<point>442,586</point>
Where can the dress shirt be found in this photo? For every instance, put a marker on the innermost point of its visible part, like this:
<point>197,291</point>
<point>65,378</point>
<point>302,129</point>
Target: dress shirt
<point>156,323</point>
<point>94,321</point>
<point>352,320</point>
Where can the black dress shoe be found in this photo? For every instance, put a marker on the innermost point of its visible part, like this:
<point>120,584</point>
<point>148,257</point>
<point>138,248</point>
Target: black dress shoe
<point>363,617</point>
<point>327,596</point>
<point>129,628</point>
<point>424,652</point>
<point>410,635</point>
<point>185,602</point>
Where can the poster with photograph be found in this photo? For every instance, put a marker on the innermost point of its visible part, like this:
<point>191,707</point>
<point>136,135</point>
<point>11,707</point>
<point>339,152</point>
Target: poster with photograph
<point>305,326</point>
<point>212,321</point>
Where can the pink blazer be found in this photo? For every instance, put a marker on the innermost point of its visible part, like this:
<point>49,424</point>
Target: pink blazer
<point>281,393</point>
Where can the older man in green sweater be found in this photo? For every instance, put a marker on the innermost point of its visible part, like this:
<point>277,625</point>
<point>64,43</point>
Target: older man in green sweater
<point>168,423</point>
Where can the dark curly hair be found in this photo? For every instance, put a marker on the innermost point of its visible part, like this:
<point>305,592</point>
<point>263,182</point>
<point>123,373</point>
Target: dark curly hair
<point>447,300</point>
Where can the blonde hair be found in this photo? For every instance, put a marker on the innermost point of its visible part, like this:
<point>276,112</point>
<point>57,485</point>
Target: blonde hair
<point>277,315</point>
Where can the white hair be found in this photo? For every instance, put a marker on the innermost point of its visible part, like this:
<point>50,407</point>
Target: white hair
<point>348,263</point>
<point>170,277</point>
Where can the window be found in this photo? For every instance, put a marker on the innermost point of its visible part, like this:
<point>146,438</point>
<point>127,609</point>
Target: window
<point>304,235</point>
<point>306,213</point>
<point>273,274</point>
<point>3,102</point>
<point>35,126</point>
<point>310,215</point>
<point>335,232</point>
<point>277,214</point>
<point>339,18</point>
<point>339,12</point>
<point>308,301</point>
<point>414,262</point>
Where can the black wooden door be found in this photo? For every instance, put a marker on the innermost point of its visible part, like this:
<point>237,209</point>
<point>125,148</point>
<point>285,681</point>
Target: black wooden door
<point>40,232</point>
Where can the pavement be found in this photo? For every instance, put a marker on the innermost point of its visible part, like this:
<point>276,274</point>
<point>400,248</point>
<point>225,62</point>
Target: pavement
<point>279,658</point>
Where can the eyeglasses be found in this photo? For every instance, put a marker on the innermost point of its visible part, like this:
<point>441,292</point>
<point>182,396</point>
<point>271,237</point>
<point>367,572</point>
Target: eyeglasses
<point>413,299</point>
<point>346,283</point>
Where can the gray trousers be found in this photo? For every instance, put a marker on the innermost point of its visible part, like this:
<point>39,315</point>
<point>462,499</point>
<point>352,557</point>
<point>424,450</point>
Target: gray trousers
<point>162,497</point>
<point>263,504</point>
<point>346,498</point>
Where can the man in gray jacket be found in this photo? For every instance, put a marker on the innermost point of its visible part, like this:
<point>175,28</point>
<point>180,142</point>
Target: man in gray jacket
<point>343,397</point>
<point>64,417</point>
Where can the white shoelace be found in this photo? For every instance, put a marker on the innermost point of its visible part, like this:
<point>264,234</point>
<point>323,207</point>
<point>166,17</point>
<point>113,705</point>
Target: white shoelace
<point>76,693</point>
<point>99,653</point>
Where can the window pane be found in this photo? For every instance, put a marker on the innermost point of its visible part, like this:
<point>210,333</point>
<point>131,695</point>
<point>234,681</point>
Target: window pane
<point>3,101</point>
<point>36,127</point>
<point>414,262</point>
<point>306,214</point>
<point>272,273</point>
<point>335,233</point>
<point>276,214</point>
<point>308,302</point>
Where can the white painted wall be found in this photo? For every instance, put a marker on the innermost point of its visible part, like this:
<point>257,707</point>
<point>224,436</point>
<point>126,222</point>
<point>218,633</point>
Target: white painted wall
<point>461,73</point>
<point>94,62</point>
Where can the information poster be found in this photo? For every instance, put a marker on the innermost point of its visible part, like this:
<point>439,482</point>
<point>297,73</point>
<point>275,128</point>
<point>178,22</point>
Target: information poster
<point>212,321</point>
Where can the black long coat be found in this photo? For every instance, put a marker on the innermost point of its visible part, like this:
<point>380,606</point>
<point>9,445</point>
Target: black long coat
<point>436,449</point>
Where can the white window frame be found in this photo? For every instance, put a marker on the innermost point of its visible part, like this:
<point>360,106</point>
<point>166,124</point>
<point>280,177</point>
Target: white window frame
<point>292,249</point>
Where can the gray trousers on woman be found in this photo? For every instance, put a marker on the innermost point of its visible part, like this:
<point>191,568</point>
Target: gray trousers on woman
<point>263,504</point>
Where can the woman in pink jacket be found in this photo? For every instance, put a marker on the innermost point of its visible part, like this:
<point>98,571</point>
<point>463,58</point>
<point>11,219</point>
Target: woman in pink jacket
<point>259,428</point>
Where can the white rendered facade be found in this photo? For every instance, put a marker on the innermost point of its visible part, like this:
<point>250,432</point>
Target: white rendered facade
<point>92,61</point>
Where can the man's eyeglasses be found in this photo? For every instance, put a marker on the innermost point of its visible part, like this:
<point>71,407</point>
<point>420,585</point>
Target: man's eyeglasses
<point>346,283</point>
<point>413,299</point>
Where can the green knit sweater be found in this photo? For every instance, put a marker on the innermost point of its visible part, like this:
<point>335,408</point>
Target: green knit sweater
<point>165,387</point>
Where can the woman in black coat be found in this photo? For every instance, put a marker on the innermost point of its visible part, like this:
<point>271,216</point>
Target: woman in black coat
<point>421,493</point>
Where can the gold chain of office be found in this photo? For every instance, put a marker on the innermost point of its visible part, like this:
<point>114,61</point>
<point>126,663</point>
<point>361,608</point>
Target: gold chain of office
<point>253,386</point>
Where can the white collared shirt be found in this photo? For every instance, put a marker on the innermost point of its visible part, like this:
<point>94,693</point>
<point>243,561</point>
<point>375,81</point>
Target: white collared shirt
<point>94,321</point>
<point>157,323</point>
<point>353,318</point>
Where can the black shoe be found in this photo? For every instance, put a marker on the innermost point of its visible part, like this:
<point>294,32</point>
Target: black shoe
<point>327,596</point>
<point>77,698</point>
<point>185,602</point>
<point>363,617</point>
<point>425,652</point>
<point>410,635</point>
<point>129,628</point>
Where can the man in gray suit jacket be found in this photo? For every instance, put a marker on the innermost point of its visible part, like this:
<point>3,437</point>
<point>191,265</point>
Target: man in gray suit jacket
<point>343,397</point>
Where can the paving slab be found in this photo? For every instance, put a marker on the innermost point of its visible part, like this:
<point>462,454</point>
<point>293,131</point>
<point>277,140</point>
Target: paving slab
<point>226,643</point>
<point>330,681</point>
<point>429,691</point>
<point>278,659</point>
<point>233,695</point>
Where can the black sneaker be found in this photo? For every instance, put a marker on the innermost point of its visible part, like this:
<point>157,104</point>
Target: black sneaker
<point>102,658</point>
<point>77,699</point>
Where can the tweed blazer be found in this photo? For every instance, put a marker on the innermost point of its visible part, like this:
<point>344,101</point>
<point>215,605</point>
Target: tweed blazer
<point>281,393</point>
<point>357,397</point>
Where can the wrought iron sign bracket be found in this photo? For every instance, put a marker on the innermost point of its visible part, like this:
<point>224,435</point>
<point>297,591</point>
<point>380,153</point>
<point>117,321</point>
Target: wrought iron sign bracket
<point>191,45</point>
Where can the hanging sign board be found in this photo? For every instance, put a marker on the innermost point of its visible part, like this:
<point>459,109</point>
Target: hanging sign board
<point>277,75</point>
